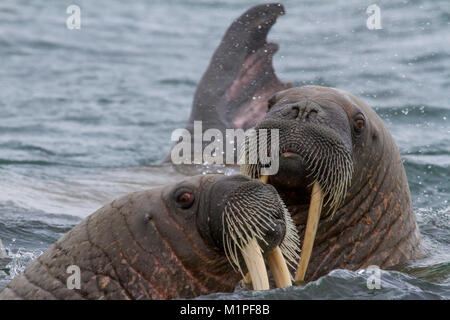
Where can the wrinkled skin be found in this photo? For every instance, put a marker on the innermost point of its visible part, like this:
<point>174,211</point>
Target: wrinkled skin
<point>147,245</point>
<point>375,223</point>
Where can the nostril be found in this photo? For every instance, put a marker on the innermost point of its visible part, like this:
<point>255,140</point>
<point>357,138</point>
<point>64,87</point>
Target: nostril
<point>312,114</point>
<point>295,111</point>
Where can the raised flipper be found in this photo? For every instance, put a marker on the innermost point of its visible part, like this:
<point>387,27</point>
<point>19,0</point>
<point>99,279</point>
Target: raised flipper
<point>240,78</point>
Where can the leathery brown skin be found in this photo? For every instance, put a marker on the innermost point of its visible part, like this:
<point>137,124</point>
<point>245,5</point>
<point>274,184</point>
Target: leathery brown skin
<point>240,77</point>
<point>153,244</point>
<point>375,223</point>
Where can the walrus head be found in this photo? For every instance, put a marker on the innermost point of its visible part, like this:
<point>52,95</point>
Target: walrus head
<point>178,241</point>
<point>341,177</point>
<point>315,145</point>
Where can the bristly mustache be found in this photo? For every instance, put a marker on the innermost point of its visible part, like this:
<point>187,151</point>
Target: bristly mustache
<point>328,160</point>
<point>250,217</point>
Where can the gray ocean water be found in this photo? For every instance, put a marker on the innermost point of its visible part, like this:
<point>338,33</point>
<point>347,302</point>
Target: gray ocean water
<point>85,114</point>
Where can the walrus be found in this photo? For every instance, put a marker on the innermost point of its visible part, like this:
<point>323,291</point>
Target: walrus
<point>179,241</point>
<point>342,178</point>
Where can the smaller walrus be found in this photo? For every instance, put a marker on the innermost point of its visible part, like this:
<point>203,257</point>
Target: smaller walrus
<point>177,241</point>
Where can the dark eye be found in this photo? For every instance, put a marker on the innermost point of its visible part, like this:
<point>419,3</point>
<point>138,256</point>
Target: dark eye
<point>185,199</point>
<point>359,122</point>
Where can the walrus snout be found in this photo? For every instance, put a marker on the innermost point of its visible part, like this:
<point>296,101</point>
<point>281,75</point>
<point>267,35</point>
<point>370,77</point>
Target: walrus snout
<point>273,237</point>
<point>311,147</point>
<point>251,201</point>
<point>254,224</point>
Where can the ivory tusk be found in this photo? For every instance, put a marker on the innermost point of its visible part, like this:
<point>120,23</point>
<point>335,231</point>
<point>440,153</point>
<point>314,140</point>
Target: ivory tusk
<point>315,207</point>
<point>255,264</point>
<point>279,269</point>
<point>247,280</point>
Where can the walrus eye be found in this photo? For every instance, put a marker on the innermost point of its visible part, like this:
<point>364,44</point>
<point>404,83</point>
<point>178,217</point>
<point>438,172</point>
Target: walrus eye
<point>359,122</point>
<point>185,199</point>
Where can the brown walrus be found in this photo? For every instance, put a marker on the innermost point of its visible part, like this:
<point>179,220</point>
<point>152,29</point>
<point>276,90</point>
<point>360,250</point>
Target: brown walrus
<point>337,155</point>
<point>178,241</point>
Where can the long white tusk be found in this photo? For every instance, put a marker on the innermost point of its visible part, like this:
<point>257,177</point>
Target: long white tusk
<point>255,264</point>
<point>279,269</point>
<point>315,207</point>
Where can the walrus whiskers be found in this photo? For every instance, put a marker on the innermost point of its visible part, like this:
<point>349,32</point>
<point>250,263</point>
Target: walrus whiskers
<point>330,166</point>
<point>244,228</point>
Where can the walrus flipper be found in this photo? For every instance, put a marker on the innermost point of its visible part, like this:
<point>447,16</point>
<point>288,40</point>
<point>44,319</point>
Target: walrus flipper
<point>240,78</point>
